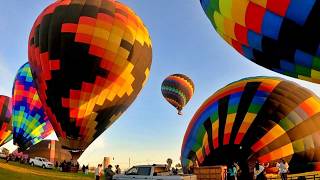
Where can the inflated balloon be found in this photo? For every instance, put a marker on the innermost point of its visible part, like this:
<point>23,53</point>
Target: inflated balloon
<point>30,122</point>
<point>90,59</point>
<point>259,118</point>
<point>5,120</point>
<point>282,36</point>
<point>177,89</point>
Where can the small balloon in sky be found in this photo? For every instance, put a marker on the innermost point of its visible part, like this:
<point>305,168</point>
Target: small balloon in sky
<point>177,89</point>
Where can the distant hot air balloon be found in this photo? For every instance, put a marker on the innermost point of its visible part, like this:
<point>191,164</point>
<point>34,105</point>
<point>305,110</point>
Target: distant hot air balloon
<point>177,89</point>
<point>259,118</point>
<point>30,122</point>
<point>283,36</point>
<point>5,120</point>
<point>90,59</point>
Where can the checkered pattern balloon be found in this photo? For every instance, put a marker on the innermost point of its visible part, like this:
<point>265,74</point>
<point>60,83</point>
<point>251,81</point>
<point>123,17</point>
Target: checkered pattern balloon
<point>177,89</point>
<point>260,118</point>
<point>283,36</point>
<point>90,59</point>
<point>30,122</point>
<point>5,120</point>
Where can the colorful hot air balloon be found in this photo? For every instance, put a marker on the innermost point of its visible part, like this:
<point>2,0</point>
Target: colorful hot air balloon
<point>90,59</point>
<point>5,120</point>
<point>30,122</point>
<point>259,118</point>
<point>177,89</point>
<point>283,36</point>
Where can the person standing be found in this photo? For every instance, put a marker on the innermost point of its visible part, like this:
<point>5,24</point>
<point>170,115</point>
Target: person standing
<point>87,169</point>
<point>237,168</point>
<point>283,169</point>
<point>259,170</point>
<point>232,172</point>
<point>118,170</point>
<point>83,168</point>
<point>98,172</point>
<point>108,173</point>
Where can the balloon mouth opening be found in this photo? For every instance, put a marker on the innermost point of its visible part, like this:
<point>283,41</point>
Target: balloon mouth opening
<point>72,150</point>
<point>229,154</point>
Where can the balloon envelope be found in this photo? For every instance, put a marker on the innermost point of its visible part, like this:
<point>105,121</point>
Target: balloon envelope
<point>259,118</point>
<point>177,89</point>
<point>30,122</point>
<point>90,59</point>
<point>5,120</point>
<point>281,36</point>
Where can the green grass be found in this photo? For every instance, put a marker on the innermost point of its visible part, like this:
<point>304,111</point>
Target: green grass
<point>14,170</point>
<point>5,174</point>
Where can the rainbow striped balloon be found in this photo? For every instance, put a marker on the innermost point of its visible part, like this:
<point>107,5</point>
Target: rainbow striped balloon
<point>259,118</point>
<point>177,89</point>
<point>30,122</point>
<point>5,120</point>
<point>283,36</point>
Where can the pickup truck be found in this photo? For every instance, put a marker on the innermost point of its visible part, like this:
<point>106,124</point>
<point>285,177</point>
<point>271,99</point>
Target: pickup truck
<point>151,172</point>
<point>41,162</point>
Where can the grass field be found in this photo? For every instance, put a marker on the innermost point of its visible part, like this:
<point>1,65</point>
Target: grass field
<point>13,170</point>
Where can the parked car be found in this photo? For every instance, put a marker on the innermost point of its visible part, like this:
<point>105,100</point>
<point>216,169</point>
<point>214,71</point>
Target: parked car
<point>41,162</point>
<point>152,172</point>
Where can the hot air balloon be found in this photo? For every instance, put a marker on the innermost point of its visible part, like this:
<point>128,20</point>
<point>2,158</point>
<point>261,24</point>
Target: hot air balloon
<point>89,59</point>
<point>30,122</point>
<point>258,118</point>
<point>177,89</point>
<point>5,120</point>
<point>281,36</point>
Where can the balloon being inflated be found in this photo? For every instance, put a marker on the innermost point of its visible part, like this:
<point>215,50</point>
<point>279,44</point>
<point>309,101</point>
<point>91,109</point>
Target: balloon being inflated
<point>90,59</point>
<point>258,118</point>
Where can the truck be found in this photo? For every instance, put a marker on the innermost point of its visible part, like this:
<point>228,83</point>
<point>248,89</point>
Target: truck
<point>152,172</point>
<point>41,162</point>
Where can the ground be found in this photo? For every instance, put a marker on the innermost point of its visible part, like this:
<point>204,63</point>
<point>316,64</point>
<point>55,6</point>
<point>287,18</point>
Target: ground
<point>13,170</point>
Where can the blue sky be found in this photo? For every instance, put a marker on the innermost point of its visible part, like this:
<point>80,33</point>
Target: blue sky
<point>183,40</point>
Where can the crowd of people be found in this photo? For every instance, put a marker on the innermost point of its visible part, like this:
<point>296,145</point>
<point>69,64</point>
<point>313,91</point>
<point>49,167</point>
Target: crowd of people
<point>234,171</point>
<point>67,166</point>
<point>108,172</point>
<point>260,170</point>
